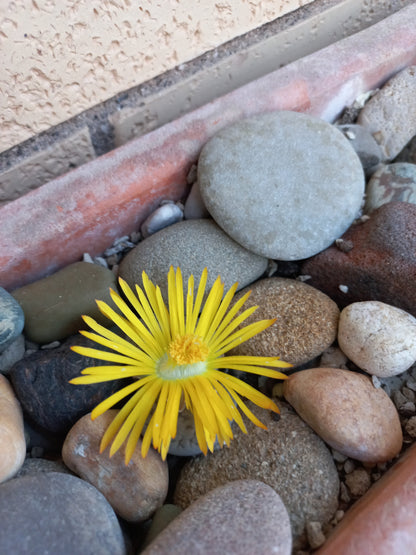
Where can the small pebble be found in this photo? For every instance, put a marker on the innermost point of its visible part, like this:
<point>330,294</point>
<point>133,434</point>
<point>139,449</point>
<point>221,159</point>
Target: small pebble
<point>410,427</point>
<point>358,482</point>
<point>316,537</point>
<point>162,217</point>
<point>349,466</point>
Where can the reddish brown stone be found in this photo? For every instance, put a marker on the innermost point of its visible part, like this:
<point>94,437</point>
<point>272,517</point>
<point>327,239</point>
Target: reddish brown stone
<point>381,266</point>
<point>383,520</point>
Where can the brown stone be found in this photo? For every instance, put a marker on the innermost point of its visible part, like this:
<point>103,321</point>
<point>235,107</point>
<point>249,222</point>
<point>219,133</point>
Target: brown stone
<point>134,491</point>
<point>306,320</point>
<point>347,412</point>
<point>380,267</point>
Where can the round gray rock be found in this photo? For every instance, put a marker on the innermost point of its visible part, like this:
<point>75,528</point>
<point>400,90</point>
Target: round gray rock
<point>57,513</point>
<point>289,457</point>
<point>284,185</point>
<point>192,245</point>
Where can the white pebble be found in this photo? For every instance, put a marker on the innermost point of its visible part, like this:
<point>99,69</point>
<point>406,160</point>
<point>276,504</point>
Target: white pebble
<point>378,338</point>
<point>343,288</point>
<point>165,215</point>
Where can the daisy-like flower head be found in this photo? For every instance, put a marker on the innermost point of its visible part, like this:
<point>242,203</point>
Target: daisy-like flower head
<point>176,355</point>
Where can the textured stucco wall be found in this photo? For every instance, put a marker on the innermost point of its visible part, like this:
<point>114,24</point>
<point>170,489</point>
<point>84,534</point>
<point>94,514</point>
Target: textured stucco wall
<point>60,58</point>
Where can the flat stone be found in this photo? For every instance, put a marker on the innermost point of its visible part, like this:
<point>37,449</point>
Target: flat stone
<point>390,115</point>
<point>289,457</point>
<point>378,338</point>
<point>284,185</point>
<point>53,306</point>
<point>381,266</point>
<point>11,319</point>
<point>192,245</point>
<point>57,513</point>
<point>41,382</point>
<point>238,517</point>
<point>347,412</point>
<point>393,182</point>
<point>134,491</point>
<point>12,438</point>
<point>306,320</point>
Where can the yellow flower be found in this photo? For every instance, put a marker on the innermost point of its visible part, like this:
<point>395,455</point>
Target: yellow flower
<point>176,354</point>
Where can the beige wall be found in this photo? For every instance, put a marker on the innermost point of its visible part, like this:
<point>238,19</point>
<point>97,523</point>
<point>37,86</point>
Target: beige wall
<point>60,57</point>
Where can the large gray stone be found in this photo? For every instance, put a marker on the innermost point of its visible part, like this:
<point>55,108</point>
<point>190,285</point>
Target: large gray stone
<point>283,185</point>
<point>57,513</point>
<point>192,245</point>
<point>244,516</point>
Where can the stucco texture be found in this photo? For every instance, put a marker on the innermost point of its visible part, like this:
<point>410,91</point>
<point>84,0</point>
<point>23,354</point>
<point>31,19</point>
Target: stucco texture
<point>60,58</point>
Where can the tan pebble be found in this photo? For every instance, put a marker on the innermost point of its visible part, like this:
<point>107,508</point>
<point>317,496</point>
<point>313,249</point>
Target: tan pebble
<point>306,320</point>
<point>134,491</point>
<point>358,482</point>
<point>12,437</point>
<point>347,411</point>
<point>377,337</point>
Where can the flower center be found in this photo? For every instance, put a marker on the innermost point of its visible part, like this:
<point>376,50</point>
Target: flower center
<point>188,349</point>
<point>185,358</point>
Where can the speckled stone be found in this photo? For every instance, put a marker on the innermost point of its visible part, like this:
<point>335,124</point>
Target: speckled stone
<point>393,182</point>
<point>289,457</point>
<point>53,306</point>
<point>11,319</point>
<point>238,517</point>
<point>381,266</point>
<point>284,185</point>
<point>41,382</point>
<point>306,320</point>
<point>57,513</point>
<point>134,491</point>
<point>390,115</point>
<point>378,338</point>
<point>192,245</point>
<point>347,412</point>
